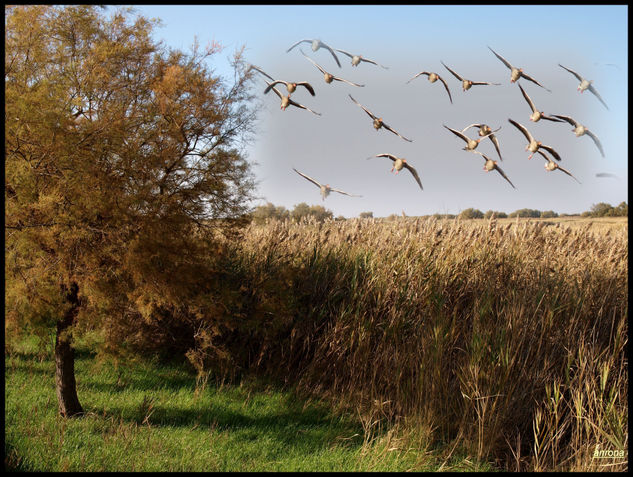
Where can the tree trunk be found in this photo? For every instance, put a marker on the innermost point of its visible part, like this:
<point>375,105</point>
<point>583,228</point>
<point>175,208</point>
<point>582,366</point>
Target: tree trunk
<point>65,384</point>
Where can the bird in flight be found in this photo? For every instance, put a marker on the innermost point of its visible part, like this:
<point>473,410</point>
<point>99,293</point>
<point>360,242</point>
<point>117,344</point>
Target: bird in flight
<point>399,163</point>
<point>552,166</point>
<point>433,77</point>
<point>316,44</point>
<point>356,59</point>
<point>585,84</point>
<point>471,144</point>
<point>329,77</point>
<point>325,189</point>
<point>533,144</point>
<point>516,73</point>
<point>536,114</point>
<point>491,165</point>
<point>486,131</point>
<point>286,101</point>
<point>378,122</point>
<point>580,130</point>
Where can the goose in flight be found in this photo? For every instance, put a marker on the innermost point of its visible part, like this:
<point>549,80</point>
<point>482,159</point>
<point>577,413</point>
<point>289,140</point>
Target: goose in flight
<point>356,59</point>
<point>329,77</point>
<point>291,87</point>
<point>286,101</point>
<point>433,77</point>
<point>580,130</point>
<point>399,163</point>
<point>471,144</point>
<point>316,44</point>
<point>536,114</point>
<point>585,84</point>
<point>552,166</point>
<point>492,165</point>
<point>324,189</point>
<point>466,84</point>
<point>485,130</point>
<point>533,144</point>
<point>378,122</point>
<point>516,73</point>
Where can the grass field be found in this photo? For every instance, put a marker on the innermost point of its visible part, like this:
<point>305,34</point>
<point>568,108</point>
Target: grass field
<point>150,417</point>
<point>411,344</point>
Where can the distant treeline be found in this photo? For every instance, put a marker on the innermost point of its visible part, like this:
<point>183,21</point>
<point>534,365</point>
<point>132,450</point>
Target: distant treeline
<point>271,211</point>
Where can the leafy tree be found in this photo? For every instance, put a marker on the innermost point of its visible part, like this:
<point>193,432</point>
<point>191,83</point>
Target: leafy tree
<point>498,215</point>
<point>366,215</point>
<point>471,214</point>
<point>123,159</point>
<point>601,209</point>
<point>526,213</point>
<point>269,211</point>
<point>547,214</point>
<point>622,210</point>
<point>302,211</point>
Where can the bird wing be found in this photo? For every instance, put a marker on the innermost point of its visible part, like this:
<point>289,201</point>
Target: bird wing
<point>572,72</point>
<point>551,151</point>
<point>307,177</point>
<point>457,133</point>
<point>549,118</point>
<point>529,78</point>
<point>595,140</point>
<point>390,156</point>
<point>261,71</point>
<point>307,86</point>
<point>294,103</point>
<point>475,83</point>
<point>500,171</point>
<point>342,192</point>
<point>300,41</point>
<point>445,86</point>
<point>568,119</point>
<point>568,173</point>
<point>527,98</point>
<point>271,85</point>
<point>345,53</point>
<point>495,141</point>
<point>386,126</point>
<point>414,173</point>
<point>420,73</point>
<point>331,51</point>
<point>373,63</point>
<point>522,128</point>
<point>504,61</point>
<point>472,126</point>
<point>454,74</point>
<point>313,62</point>
<point>593,90</point>
<point>348,82</point>
<point>364,108</point>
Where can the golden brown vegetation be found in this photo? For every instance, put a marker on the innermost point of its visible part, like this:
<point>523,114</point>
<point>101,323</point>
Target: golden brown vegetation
<point>507,339</point>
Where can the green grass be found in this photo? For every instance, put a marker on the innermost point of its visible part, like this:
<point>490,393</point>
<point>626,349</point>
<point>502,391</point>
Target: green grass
<point>150,417</point>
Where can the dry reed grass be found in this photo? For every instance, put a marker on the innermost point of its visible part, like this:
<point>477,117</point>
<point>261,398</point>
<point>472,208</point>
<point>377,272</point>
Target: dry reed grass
<point>507,338</point>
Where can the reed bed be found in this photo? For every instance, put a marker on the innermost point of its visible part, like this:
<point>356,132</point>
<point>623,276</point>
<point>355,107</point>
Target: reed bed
<point>507,339</point>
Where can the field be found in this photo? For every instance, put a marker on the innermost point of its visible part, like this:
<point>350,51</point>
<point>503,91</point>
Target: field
<point>502,342</point>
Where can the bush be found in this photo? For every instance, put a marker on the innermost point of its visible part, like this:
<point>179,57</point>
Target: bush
<point>471,214</point>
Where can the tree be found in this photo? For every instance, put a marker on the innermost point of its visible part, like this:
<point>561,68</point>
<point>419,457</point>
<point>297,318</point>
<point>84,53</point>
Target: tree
<point>123,159</point>
<point>601,209</point>
<point>471,214</point>
<point>302,211</point>
<point>366,215</point>
<point>622,210</point>
<point>546,214</point>
<point>498,215</point>
<point>526,213</point>
<point>269,211</point>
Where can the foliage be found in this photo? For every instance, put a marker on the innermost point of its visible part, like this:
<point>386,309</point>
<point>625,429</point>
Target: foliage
<point>471,214</point>
<point>547,214</point>
<point>366,215</point>
<point>525,213</point>
<point>303,211</point>
<point>498,215</point>
<point>262,213</point>
<point>123,159</point>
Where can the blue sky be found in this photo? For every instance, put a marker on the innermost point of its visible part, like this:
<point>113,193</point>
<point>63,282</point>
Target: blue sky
<point>333,148</point>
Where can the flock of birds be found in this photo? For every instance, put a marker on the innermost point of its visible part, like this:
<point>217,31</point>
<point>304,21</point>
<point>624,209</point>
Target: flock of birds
<point>484,131</point>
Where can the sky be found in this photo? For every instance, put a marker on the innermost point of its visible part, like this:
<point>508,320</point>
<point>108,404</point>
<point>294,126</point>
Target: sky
<point>334,148</point>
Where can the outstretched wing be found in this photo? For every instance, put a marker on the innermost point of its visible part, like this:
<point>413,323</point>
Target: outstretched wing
<point>454,74</point>
<point>500,171</point>
<point>414,173</point>
<point>445,86</point>
<point>300,41</point>
<point>593,90</point>
<point>522,128</point>
<point>475,83</point>
<point>551,150</point>
<point>313,62</point>
<point>395,132</point>
<point>572,72</point>
<point>495,141</point>
<point>595,140</point>
<point>390,156</point>
<point>256,68</point>
<point>294,103</point>
<point>307,177</point>
<point>527,98</point>
<point>529,78</point>
<point>457,133</point>
<point>503,60</point>
<point>345,193</point>
<point>348,82</point>
<point>345,53</point>
<point>374,63</point>
<point>568,173</point>
<point>568,119</point>
<point>420,73</point>
<point>271,85</point>
<point>331,51</point>
<point>364,108</point>
<point>307,86</point>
